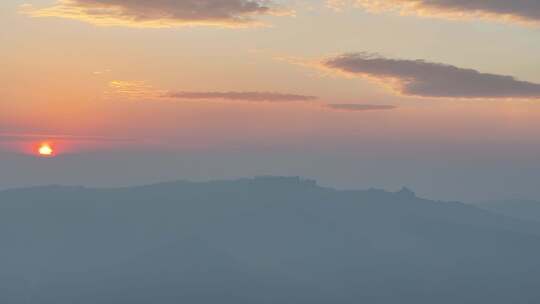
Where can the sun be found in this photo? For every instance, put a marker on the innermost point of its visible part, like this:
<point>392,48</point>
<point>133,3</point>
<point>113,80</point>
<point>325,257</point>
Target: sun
<point>45,150</point>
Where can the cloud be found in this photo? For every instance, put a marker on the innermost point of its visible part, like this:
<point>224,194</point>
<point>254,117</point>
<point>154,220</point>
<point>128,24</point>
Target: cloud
<point>427,79</point>
<point>8,137</point>
<point>138,90</point>
<point>129,89</point>
<point>101,72</point>
<point>359,107</point>
<point>520,11</point>
<point>240,96</point>
<point>160,13</point>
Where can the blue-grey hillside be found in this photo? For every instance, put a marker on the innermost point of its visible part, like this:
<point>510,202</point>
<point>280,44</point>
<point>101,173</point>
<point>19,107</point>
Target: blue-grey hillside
<point>521,209</point>
<point>262,240</point>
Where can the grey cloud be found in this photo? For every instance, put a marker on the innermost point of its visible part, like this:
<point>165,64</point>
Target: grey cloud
<point>240,96</point>
<point>510,10</point>
<point>360,107</point>
<point>160,13</point>
<point>427,79</point>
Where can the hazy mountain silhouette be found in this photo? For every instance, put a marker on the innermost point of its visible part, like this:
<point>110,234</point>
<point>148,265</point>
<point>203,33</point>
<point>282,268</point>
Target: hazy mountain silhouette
<point>521,209</point>
<point>262,240</point>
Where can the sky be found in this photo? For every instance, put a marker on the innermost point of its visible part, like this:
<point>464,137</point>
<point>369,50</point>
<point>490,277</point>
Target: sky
<point>440,96</point>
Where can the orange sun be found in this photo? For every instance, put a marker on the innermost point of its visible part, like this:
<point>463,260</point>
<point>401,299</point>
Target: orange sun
<point>45,150</point>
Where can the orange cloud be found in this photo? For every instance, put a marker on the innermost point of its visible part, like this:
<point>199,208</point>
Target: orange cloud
<point>132,89</point>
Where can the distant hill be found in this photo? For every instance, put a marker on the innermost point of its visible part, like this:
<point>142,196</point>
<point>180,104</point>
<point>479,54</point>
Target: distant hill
<point>521,209</point>
<point>261,240</point>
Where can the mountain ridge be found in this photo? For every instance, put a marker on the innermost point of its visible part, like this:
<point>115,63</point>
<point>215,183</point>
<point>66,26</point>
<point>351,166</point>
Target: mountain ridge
<point>259,240</point>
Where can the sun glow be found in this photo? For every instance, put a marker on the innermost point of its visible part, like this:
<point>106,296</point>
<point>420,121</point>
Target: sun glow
<point>45,150</point>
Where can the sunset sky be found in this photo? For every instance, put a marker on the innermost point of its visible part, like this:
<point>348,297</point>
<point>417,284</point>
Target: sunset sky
<point>440,96</point>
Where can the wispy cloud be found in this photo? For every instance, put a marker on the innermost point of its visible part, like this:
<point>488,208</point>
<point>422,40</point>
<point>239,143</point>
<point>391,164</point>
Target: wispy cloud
<point>139,90</point>
<point>7,137</point>
<point>517,11</point>
<point>359,107</point>
<point>427,79</point>
<point>101,72</point>
<point>133,89</point>
<point>240,96</point>
<point>161,13</point>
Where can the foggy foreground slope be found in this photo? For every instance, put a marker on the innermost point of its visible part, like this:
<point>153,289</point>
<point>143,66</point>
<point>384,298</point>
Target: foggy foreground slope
<point>521,209</point>
<point>263,240</point>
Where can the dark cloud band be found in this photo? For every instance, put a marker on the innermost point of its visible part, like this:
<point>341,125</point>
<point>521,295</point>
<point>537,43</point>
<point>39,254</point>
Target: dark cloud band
<point>161,13</point>
<point>524,11</point>
<point>427,79</point>
<point>359,107</point>
<point>240,96</point>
